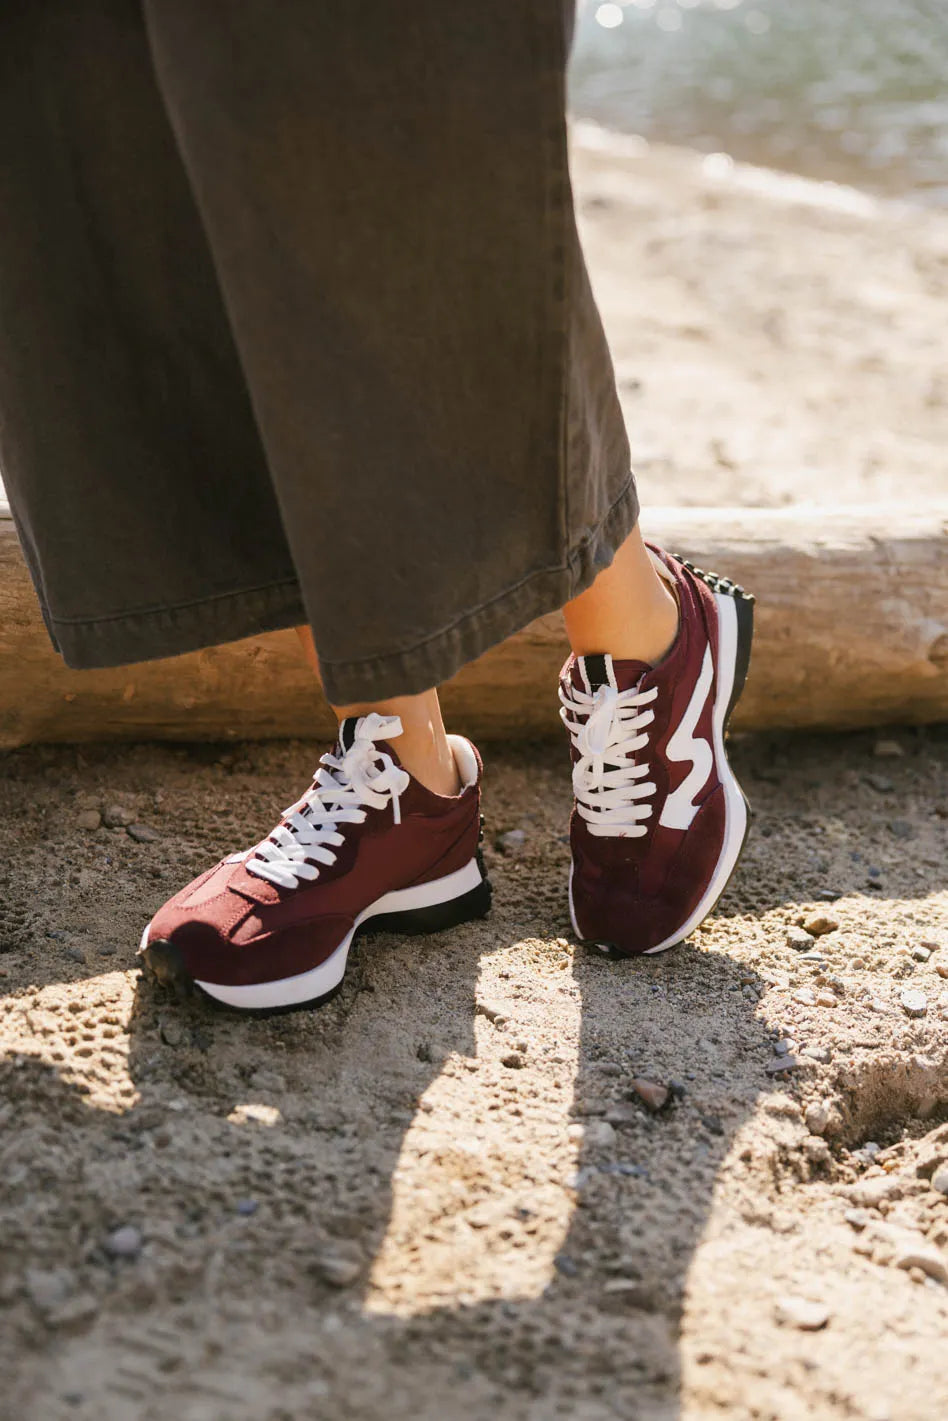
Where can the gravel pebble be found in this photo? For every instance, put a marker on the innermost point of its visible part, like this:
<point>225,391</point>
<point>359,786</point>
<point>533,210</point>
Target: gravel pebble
<point>48,1288</point>
<point>887,749</point>
<point>826,998</point>
<point>513,1061</point>
<point>801,1313</point>
<point>914,1003</point>
<point>798,939</point>
<point>921,954</point>
<point>512,842</point>
<point>338,1264</point>
<point>172,1032</point>
<point>115,817</point>
<point>491,1011</point>
<point>780,1064</point>
<point>819,923</point>
<point>805,997</point>
<point>89,819</point>
<point>651,1094</point>
<point>940,1180</point>
<point>924,1256</point>
<point>125,1242</point>
<point>599,1134</point>
<point>823,1054</point>
<point>142,833</point>
<point>818,1116</point>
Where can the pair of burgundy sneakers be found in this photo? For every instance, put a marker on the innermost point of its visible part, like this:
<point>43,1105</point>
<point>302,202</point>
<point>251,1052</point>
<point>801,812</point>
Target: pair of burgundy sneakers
<point>658,824</point>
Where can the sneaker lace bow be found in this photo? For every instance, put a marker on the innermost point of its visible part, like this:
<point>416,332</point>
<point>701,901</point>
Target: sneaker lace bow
<point>345,786</point>
<point>608,729</point>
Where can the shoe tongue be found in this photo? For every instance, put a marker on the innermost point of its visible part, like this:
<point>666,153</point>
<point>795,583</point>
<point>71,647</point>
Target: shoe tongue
<point>347,732</point>
<point>599,669</point>
<point>347,736</point>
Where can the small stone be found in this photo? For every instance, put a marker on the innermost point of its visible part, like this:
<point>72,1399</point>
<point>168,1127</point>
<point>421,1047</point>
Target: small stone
<point>888,749</point>
<point>115,817</point>
<point>942,969</point>
<point>622,1112</point>
<point>801,1313</point>
<point>859,1218</point>
<point>76,954</point>
<point>253,1113</point>
<point>89,819</point>
<point>491,1011</point>
<point>651,1094</point>
<point>818,1116</point>
<point>246,1207</point>
<point>172,1032</point>
<point>125,1242</point>
<point>940,1180</point>
<point>712,1123</point>
<point>880,783</point>
<point>901,829</point>
<point>924,1256</point>
<point>599,1134</point>
<point>819,923</point>
<point>826,998</point>
<point>823,1054</point>
<point>142,833</point>
<point>512,842</point>
<point>921,954</point>
<point>513,1061</point>
<point>816,1150</point>
<point>338,1264</point>
<point>781,1048</point>
<point>49,1288</point>
<point>914,1003</point>
<point>781,1064</point>
<point>870,1193</point>
<point>565,1265</point>
<point>798,939</point>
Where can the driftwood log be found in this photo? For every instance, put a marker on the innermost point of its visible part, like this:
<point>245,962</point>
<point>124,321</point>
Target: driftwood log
<point>852,629</point>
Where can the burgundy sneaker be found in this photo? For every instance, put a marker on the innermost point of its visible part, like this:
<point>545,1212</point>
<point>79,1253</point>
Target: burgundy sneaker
<point>366,847</point>
<point>660,819</point>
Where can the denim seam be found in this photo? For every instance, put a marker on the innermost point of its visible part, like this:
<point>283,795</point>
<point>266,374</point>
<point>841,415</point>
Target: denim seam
<point>572,557</point>
<point>163,608</point>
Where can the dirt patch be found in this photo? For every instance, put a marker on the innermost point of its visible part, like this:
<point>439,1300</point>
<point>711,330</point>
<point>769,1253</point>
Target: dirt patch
<point>444,1195</point>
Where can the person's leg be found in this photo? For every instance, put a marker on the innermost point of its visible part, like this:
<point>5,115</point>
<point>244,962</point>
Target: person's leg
<point>628,611</point>
<point>423,746</point>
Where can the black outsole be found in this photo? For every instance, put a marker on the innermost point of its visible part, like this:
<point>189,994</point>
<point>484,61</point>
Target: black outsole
<point>163,963</point>
<point>744,605</point>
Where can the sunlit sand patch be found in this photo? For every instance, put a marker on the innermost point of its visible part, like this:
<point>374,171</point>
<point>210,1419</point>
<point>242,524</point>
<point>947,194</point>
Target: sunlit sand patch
<point>481,1196</point>
<point>80,1030</point>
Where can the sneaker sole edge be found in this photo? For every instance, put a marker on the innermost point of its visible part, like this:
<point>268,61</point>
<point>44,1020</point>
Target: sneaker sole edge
<point>429,907</point>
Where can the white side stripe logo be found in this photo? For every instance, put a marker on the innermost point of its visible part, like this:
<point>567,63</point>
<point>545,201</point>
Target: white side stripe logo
<point>679,808</point>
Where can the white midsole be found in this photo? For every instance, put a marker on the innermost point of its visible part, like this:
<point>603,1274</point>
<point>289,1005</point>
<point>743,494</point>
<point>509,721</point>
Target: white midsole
<point>307,986</point>
<point>735,807</point>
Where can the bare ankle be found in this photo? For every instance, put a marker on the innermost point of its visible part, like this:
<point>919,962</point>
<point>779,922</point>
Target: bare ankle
<point>423,747</point>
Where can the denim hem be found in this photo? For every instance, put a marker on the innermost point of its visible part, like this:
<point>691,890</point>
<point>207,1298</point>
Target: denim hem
<point>125,638</point>
<point>441,655</point>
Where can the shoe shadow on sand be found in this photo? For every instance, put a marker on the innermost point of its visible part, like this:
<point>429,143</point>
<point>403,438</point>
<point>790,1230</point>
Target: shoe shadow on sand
<point>440,1196</point>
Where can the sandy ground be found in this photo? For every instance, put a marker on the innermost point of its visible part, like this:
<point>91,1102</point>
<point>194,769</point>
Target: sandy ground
<point>444,1196</point>
<point>775,340</point>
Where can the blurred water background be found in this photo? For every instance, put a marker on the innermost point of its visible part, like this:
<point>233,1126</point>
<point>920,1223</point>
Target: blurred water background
<point>851,90</point>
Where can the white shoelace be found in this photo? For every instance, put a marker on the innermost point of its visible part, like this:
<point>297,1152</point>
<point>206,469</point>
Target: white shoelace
<point>344,787</point>
<point>606,729</point>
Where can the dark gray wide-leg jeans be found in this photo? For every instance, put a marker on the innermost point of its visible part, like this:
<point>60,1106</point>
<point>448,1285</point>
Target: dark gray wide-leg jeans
<point>295,327</point>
